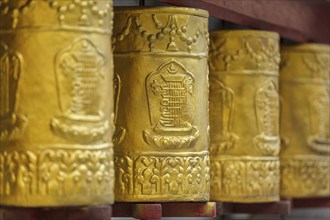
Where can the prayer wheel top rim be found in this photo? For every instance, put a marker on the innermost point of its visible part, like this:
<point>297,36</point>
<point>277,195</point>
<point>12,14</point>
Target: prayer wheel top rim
<point>312,47</point>
<point>162,9</point>
<point>238,33</point>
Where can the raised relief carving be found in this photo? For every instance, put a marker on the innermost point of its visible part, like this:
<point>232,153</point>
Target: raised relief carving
<point>318,64</point>
<point>297,173</point>
<point>165,175</point>
<point>56,172</point>
<point>171,107</point>
<point>222,109</point>
<point>260,54</point>
<point>17,173</point>
<point>166,28</point>
<point>120,132</point>
<point>236,178</point>
<point>81,12</point>
<point>124,175</point>
<point>265,55</point>
<point>12,125</point>
<point>80,83</point>
<point>267,114</point>
<point>14,9</point>
<point>218,56</point>
<point>319,122</point>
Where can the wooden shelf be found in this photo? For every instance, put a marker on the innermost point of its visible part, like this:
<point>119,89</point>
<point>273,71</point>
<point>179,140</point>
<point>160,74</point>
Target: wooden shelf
<point>311,203</point>
<point>282,207</point>
<point>158,210</point>
<point>303,20</point>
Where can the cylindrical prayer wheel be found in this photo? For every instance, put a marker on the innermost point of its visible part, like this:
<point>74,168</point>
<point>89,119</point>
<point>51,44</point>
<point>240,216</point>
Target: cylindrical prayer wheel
<point>305,119</point>
<point>56,103</point>
<point>161,104</point>
<point>244,116</point>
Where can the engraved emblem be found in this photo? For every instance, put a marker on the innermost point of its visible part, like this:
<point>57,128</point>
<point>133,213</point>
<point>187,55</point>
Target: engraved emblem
<point>222,109</point>
<point>320,120</point>
<point>267,112</point>
<point>80,86</point>
<point>120,132</point>
<point>171,107</point>
<point>12,125</point>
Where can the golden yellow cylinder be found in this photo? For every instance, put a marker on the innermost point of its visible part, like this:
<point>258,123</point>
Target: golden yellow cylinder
<point>56,103</point>
<point>244,116</point>
<point>161,104</point>
<point>305,119</point>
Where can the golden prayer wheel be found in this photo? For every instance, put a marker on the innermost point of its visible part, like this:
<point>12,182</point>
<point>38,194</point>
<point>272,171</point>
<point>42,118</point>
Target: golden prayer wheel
<point>305,119</point>
<point>244,116</point>
<point>161,104</point>
<point>56,103</point>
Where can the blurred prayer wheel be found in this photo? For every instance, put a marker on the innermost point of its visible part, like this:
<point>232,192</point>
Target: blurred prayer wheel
<point>305,118</point>
<point>161,104</point>
<point>244,116</point>
<point>55,88</point>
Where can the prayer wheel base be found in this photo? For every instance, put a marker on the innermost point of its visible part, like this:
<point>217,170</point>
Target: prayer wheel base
<point>103,212</point>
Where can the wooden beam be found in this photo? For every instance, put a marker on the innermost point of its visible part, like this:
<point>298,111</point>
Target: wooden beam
<point>299,20</point>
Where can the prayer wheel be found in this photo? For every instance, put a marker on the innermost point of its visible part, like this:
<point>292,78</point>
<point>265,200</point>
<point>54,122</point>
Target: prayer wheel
<point>161,104</point>
<point>244,116</point>
<point>56,103</point>
<point>305,118</point>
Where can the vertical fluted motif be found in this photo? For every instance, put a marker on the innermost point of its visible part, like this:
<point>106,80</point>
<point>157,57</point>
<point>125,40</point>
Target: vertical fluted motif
<point>244,116</point>
<point>305,119</point>
<point>161,104</point>
<point>56,102</point>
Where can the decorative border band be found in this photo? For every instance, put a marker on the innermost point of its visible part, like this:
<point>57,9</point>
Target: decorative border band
<point>305,176</point>
<point>170,177</point>
<point>245,179</point>
<point>56,177</point>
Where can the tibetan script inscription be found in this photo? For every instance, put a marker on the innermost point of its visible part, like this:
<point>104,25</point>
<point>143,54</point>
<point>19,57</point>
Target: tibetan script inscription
<point>171,107</point>
<point>267,106</point>
<point>80,84</point>
<point>12,125</point>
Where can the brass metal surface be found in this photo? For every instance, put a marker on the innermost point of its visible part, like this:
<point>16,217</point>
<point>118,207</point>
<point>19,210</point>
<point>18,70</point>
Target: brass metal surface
<point>244,116</point>
<point>56,100</point>
<point>305,83</point>
<point>161,104</point>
